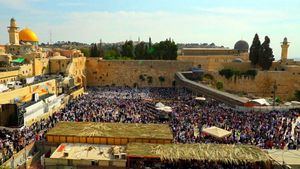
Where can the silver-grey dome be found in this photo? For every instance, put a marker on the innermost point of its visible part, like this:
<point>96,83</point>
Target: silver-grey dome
<point>241,45</point>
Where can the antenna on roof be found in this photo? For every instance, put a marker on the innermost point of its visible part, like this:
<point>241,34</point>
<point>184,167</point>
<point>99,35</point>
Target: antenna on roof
<point>50,37</point>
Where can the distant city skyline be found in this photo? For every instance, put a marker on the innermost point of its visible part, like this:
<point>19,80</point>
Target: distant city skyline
<point>222,22</point>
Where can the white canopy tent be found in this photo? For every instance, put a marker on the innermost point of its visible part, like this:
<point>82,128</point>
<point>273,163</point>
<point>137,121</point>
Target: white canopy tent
<point>166,109</point>
<point>295,102</point>
<point>162,107</point>
<point>159,104</point>
<point>200,98</point>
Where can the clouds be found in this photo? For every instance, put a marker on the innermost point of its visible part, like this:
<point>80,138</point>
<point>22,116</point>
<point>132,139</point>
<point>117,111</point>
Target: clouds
<point>223,25</point>
<point>200,27</point>
<point>19,4</point>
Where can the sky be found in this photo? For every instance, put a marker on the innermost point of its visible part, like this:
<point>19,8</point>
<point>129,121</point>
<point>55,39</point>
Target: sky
<point>222,22</point>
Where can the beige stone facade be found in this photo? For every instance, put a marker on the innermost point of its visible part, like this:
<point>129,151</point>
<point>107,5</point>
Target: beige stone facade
<point>25,93</point>
<point>128,73</point>
<point>213,63</point>
<point>73,67</point>
<point>211,59</point>
<point>286,77</point>
<point>13,32</point>
<point>8,76</point>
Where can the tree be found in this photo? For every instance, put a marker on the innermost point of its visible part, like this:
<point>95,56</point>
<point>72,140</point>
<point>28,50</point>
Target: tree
<point>140,51</point>
<point>165,50</point>
<point>94,50</point>
<point>266,56</point>
<point>112,54</point>
<point>100,50</point>
<point>86,52</point>
<point>127,50</point>
<point>254,50</point>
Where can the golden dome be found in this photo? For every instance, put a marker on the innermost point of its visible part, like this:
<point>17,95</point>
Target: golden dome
<point>28,35</point>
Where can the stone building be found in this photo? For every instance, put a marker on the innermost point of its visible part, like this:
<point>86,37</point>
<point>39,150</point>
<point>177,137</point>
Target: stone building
<point>211,59</point>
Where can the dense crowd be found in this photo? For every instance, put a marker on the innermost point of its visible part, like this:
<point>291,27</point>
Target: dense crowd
<point>187,164</point>
<point>265,130</point>
<point>187,119</point>
<point>12,141</point>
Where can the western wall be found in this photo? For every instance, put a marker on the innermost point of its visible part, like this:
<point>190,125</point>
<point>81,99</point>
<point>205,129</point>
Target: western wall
<point>133,72</point>
<point>138,72</point>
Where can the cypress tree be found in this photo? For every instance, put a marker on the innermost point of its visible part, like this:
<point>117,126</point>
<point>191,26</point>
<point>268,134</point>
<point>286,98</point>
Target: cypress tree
<point>254,50</point>
<point>266,56</point>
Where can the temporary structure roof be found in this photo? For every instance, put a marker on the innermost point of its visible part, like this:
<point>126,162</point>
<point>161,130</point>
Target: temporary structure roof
<point>159,104</point>
<point>165,108</point>
<point>112,130</point>
<point>200,98</point>
<point>261,102</point>
<point>225,153</point>
<point>216,132</point>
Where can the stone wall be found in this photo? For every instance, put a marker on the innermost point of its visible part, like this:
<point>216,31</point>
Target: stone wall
<point>8,76</point>
<point>127,73</point>
<point>26,70</point>
<point>263,84</point>
<point>24,94</point>
<point>213,62</point>
<point>77,69</point>
<point>73,67</point>
<point>40,66</point>
<point>287,79</point>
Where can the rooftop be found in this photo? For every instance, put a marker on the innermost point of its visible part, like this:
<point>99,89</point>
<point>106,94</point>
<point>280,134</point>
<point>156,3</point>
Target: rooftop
<point>289,157</point>
<point>113,130</point>
<point>86,151</point>
<point>210,152</point>
<point>207,49</point>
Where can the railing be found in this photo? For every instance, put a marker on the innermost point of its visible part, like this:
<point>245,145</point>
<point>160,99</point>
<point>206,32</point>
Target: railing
<point>234,101</point>
<point>208,91</point>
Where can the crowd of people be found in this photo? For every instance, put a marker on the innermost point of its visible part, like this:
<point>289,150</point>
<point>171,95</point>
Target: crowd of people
<point>191,164</point>
<point>12,141</point>
<point>187,120</point>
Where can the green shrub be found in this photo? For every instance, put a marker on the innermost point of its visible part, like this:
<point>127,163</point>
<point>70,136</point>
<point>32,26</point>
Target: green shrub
<point>142,78</point>
<point>209,76</point>
<point>250,73</point>
<point>150,79</point>
<point>227,73</point>
<point>219,85</point>
<point>297,95</point>
<point>277,99</point>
